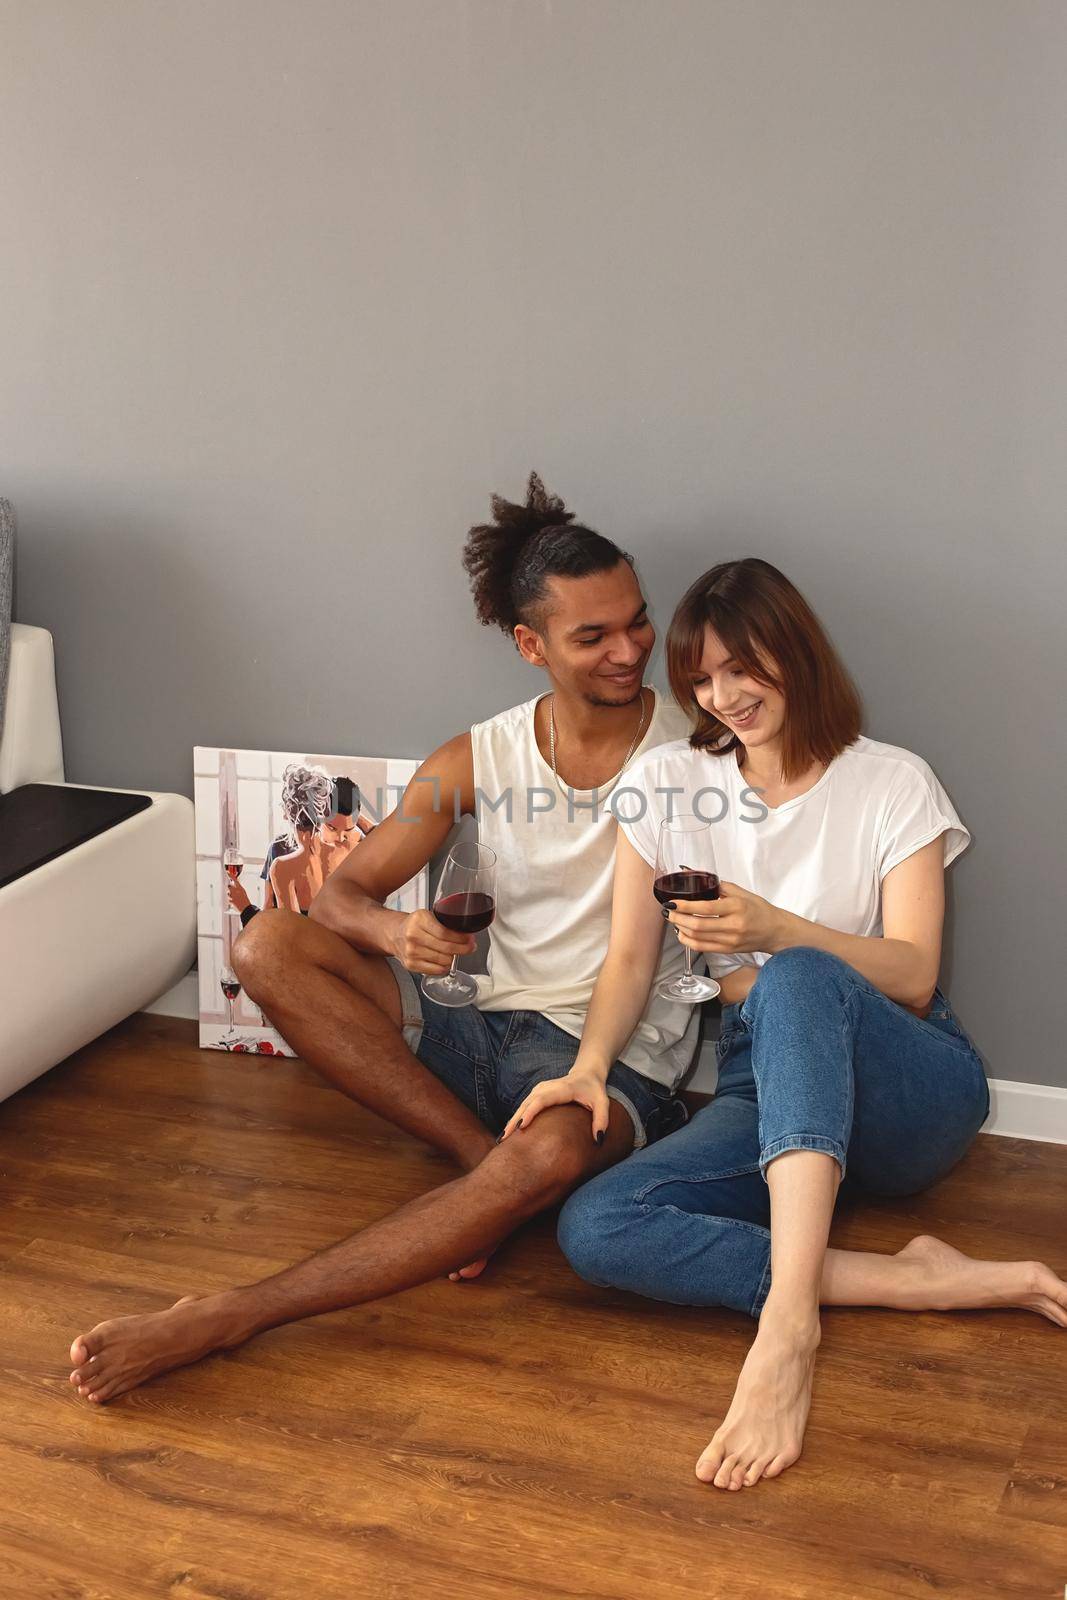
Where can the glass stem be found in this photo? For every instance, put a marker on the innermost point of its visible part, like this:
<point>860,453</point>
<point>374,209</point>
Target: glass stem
<point>451,978</point>
<point>229,1002</point>
<point>688,964</point>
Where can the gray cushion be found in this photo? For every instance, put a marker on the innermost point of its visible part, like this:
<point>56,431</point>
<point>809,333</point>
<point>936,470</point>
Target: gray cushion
<point>7,570</point>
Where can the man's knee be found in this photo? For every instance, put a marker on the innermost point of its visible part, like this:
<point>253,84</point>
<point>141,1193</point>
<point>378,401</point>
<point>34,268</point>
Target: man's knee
<point>542,1165</point>
<point>260,949</point>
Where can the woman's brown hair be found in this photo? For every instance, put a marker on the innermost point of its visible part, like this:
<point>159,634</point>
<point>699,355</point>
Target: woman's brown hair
<point>762,618</point>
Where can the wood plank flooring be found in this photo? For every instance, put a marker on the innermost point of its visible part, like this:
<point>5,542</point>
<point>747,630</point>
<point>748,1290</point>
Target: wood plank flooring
<point>521,1437</point>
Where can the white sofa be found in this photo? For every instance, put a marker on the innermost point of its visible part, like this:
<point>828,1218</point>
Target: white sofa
<point>101,930</point>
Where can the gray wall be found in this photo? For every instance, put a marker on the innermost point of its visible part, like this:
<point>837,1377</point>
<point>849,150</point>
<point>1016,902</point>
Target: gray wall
<point>287,289</point>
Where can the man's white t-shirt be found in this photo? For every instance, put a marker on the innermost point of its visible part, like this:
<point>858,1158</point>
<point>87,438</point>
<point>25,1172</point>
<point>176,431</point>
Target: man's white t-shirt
<point>555,868</point>
<point>822,855</point>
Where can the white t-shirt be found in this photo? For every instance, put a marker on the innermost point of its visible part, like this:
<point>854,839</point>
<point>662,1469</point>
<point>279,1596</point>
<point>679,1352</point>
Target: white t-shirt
<point>555,867</point>
<point>822,855</point>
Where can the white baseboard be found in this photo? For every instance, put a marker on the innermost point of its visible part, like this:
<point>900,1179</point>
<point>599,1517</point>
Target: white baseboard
<point>1017,1110</point>
<point>181,1001</point>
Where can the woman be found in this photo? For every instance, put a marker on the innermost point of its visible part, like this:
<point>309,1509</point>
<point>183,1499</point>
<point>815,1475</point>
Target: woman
<point>296,878</point>
<point>837,1046</point>
<point>337,835</point>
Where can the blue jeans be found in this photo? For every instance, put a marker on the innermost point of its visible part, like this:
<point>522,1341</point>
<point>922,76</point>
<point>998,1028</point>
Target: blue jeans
<point>814,1058</point>
<point>492,1059</point>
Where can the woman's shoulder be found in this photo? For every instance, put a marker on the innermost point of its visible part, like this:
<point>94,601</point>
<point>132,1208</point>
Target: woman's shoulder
<point>669,722</point>
<point>873,761</point>
<point>676,758</point>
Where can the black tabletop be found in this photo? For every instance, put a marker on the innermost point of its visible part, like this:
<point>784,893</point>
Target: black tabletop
<point>41,821</point>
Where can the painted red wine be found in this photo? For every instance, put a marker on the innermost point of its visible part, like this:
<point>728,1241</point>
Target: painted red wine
<point>230,990</point>
<point>465,913</point>
<point>686,886</point>
<point>233,871</point>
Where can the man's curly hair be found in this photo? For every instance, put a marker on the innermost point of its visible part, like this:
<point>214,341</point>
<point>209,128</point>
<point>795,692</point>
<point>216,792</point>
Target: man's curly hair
<point>510,559</point>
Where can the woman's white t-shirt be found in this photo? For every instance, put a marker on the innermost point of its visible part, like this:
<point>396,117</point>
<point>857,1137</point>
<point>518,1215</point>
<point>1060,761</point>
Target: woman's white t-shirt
<point>821,855</point>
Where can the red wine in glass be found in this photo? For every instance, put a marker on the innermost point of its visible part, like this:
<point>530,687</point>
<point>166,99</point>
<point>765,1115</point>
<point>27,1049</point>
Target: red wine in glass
<point>233,870</point>
<point>686,886</point>
<point>465,903</point>
<point>465,913</point>
<point>683,841</point>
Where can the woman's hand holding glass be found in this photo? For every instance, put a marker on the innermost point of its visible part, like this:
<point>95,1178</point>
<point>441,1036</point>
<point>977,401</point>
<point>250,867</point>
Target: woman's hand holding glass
<point>738,922</point>
<point>582,1085</point>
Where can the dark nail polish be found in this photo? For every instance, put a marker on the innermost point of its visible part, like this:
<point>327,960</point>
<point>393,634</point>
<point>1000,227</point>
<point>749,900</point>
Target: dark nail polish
<point>672,905</point>
<point>666,914</point>
<point>519,1123</point>
<point>500,1138</point>
<point>600,1137</point>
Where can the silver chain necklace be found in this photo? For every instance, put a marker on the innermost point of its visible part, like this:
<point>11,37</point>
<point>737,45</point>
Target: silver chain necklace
<point>600,788</point>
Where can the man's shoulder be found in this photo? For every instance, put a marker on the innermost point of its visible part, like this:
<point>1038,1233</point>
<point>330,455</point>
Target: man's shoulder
<point>509,720</point>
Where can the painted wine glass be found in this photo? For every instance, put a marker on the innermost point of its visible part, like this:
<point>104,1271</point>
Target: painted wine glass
<point>231,988</point>
<point>683,872</point>
<point>465,903</point>
<point>232,863</point>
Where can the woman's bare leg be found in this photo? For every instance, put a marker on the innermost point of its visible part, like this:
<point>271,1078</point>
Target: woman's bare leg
<point>930,1275</point>
<point>763,1431</point>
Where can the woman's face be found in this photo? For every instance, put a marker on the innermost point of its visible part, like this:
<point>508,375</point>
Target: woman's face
<point>725,690</point>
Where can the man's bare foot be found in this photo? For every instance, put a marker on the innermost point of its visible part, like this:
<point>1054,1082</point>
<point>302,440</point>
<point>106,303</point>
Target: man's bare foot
<point>763,1431</point>
<point>116,1356</point>
<point>947,1280</point>
<point>465,1274</point>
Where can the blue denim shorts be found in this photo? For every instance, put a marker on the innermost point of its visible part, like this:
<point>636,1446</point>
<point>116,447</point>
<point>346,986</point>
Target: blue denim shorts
<point>492,1059</point>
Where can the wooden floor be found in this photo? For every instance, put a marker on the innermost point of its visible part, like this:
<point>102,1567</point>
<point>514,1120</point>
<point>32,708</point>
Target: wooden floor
<point>525,1436</point>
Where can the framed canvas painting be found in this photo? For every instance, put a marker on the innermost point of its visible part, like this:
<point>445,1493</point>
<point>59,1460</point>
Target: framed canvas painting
<point>271,827</point>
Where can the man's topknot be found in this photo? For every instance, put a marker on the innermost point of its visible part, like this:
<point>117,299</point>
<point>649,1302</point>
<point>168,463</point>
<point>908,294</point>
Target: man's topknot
<point>509,559</point>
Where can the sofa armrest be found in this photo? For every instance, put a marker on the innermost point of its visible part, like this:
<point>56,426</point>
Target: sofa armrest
<point>31,749</point>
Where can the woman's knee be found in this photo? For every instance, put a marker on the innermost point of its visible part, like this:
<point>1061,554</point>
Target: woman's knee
<point>596,1230</point>
<point>801,967</point>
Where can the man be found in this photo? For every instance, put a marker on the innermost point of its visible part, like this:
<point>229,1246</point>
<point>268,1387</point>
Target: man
<point>340,985</point>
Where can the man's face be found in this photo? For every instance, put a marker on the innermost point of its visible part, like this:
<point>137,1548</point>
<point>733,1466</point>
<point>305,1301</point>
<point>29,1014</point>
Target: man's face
<point>597,637</point>
<point>338,828</point>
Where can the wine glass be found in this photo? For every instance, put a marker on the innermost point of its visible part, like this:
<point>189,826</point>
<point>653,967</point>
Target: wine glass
<point>231,988</point>
<point>681,873</point>
<point>465,903</point>
<point>232,862</point>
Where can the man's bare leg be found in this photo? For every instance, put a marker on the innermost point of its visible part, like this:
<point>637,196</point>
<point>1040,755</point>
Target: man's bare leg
<point>467,1218</point>
<point>340,1012</point>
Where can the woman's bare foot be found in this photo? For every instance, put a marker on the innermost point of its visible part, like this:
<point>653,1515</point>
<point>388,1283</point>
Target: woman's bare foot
<point>947,1280</point>
<point>116,1356</point>
<point>763,1431</point>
